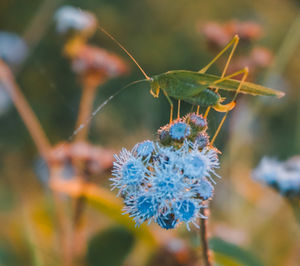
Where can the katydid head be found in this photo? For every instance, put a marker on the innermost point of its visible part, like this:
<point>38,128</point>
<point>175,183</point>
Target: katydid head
<point>154,87</point>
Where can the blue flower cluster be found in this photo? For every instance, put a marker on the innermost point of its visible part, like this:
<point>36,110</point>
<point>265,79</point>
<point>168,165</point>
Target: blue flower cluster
<point>282,176</point>
<point>167,183</point>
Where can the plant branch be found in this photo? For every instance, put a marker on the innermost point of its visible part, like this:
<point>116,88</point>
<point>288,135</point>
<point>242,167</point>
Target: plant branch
<point>85,109</point>
<point>204,239</point>
<point>30,120</point>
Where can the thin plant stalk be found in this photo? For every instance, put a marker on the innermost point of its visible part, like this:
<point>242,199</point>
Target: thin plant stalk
<point>204,240</point>
<point>288,47</point>
<point>78,221</point>
<point>34,127</point>
<point>31,237</point>
<point>85,109</point>
<point>64,228</point>
<point>295,205</point>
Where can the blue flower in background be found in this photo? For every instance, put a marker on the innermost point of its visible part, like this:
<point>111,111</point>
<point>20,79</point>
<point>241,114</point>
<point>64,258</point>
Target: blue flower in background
<point>179,130</point>
<point>13,49</point>
<point>5,101</point>
<point>267,171</point>
<point>282,176</point>
<point>72,18</point>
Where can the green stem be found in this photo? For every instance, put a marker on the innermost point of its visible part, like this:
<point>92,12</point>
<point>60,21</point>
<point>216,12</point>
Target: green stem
<point>286,50</point>
<point>295,204</point>
<point>31,238</point>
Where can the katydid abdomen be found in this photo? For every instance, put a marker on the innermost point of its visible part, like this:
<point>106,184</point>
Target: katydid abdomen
<point>180,84</point>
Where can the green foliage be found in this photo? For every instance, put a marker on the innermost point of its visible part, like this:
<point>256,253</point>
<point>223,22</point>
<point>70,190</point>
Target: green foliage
<point>110,247</point>
<point>7,255</point>
<point>227,252</point>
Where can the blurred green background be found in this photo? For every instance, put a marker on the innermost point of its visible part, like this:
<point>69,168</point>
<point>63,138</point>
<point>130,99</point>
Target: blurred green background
<point>162,35</point>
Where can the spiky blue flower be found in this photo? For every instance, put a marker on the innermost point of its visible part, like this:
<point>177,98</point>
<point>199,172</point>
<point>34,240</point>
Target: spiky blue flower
<point>167,221</point>
<point>188,211</point>
<point>164,136</point>
<point>129,171</point>
<point>180,130</point>
<point>204,188</point>
<point>198,120</point>
<point>194,165</point>
<point>165,184</point>
<point>200,164</point>
<point>141,207</point>
<point>202,140</point>
<point>145,149</point>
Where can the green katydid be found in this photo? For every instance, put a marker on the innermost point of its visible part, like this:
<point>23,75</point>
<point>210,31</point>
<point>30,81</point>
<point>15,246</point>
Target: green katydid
<point>196,88</point>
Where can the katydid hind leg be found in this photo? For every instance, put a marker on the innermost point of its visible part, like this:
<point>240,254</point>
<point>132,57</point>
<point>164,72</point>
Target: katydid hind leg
<point>226,107</point>
<point>235,74</point>
<point>233,101</point>
<point>234,42</point>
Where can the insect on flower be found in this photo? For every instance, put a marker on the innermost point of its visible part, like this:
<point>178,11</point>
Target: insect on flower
<point>197,87</point>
